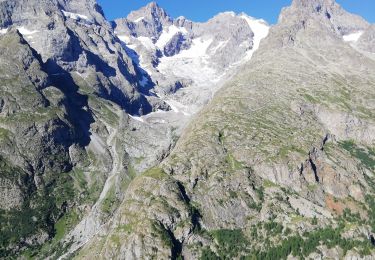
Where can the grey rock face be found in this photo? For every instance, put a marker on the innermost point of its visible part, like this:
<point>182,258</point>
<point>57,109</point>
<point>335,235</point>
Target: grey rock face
<point>328,10</point>
<point>178,43</point>
<point>75,37</point>
<point>22,85</point>
<point>148,21</point>
<point>367,40</point>
<point>34,141</point>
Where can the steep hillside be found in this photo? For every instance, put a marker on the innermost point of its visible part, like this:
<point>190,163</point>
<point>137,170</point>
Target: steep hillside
<point>281,162</point>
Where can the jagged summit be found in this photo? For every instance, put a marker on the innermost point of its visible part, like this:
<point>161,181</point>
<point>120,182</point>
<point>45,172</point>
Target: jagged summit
<point>150,12</point>
<point>20,11</point>
<point>312,3</point>
<point>328,12</point>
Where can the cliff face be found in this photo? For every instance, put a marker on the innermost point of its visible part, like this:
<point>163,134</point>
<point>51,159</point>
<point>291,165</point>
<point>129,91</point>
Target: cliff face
<point>36,133</point>
<point>61,66</point>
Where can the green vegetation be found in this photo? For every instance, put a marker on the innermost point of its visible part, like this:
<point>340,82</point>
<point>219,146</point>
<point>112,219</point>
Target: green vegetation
<point>314,221</point>
<point>41,209</point>
<point>253,204</point>
<point>4,134</point>
<point>229,242</point>
<point>128,228</point>
<point>65,223</point>
<point>109,201</point>
<point>269,184</point>
<point>366,157</point>
<point>233,163</point>
<point>286,150</point>
<point>40,114</point>
<point>158,230</point>
<point>47,210</point>
<point>273,227</point>
<point>208,254</point>
<point>221,138</point>
<point>79,179</point>
<point>155,173</point>
<point>310,98</point>
<point>303,246</point>
<point>104,109</point>
<point>260,193</point>
<point>371,204</point>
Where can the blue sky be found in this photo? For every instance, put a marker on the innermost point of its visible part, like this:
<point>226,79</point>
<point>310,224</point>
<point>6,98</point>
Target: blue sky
<point>202,10</point>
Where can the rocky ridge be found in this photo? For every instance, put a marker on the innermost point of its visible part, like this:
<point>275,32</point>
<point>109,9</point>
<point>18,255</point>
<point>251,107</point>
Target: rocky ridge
<point>185,62</point>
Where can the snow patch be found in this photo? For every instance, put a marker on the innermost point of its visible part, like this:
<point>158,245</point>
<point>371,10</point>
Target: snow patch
<point>138,118</point>
<point>124,38</point>
<point>177,107</point>
<point>230,13</point>
<point>168,34</point>
<point>147,42</point>
<point>353,37</point>
<point>198,49</point>
<point>26,32</point>
<point>3,31</point>
<point>127,40</point>
<point>260,29</point>
<point>191,64</point>
<point>219,46</point>
<point>138,20</point>
<point>75,16</point>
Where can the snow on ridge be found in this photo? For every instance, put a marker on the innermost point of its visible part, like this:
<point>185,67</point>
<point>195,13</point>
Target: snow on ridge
<point>167,35</point>
<point>138,118</point>
<point>219,46</point>
<point>75,16</point>
<point>191,63</point>
<point>124,38</point>
<point>147,42</point>
<point>177,107</point>
<point>3,31</point>
<point>139,19</point>
<point>352,37</point>
<point>164,38</point>
<point>230,13</point>
<point>26,32</point>
<point>260,29</point>
<point>197,49</point>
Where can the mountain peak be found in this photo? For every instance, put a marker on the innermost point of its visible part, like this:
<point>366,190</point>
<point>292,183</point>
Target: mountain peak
<point>308,3</point>
<point>153,5</point>
<point>327,12</point>
<point>151,12</point>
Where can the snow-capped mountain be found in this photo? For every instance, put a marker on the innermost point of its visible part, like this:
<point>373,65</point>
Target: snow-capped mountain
<point>185,62</point>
